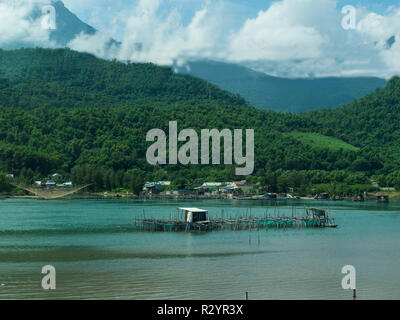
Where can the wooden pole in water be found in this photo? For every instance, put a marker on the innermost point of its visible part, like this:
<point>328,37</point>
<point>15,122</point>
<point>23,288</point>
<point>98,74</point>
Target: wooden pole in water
<point>249,234</point>
<point>354,294</point>
<point>247,295</point>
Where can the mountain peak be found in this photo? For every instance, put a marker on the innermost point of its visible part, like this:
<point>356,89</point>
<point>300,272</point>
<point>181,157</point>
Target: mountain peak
<point>68,25</point>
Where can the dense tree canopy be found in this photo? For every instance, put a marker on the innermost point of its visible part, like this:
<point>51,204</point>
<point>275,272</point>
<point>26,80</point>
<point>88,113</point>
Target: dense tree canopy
<point>87,118</point>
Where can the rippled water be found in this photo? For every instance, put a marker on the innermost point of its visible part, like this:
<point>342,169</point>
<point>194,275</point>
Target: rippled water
<point>98,256</point>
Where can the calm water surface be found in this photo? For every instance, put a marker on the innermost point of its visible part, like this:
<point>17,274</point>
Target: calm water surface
<point>98,256</point>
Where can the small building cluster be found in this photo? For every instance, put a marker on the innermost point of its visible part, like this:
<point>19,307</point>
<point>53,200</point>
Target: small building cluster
<point>156,187</point>
<point>55,181</point>
<point>226,189</point>
<point>236,187</point>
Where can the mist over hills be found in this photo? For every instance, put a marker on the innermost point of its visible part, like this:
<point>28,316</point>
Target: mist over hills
<point>68,27</point>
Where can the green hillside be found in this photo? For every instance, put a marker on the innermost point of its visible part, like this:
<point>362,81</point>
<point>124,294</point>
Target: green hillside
<point>87,118</point>
<point>319,141</point>
<point>65,78</point>
<point>372,123</point>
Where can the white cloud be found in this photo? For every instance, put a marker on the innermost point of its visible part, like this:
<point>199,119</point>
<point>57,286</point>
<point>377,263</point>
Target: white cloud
<point>153,36</point>
<point>98,44</point>
<point>379,27</point>
<point>375,30</point>
<point>299,38</point>
<point>287,30</point>
<point>16,25</point>
<point>293,38</point>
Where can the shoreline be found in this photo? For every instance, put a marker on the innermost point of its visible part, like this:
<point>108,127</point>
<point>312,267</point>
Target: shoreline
<point>372,197</point>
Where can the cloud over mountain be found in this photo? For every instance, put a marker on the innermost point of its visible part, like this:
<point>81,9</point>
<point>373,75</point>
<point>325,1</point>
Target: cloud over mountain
<point>286,31</point>
<point>19,27</point>
<point>293,38</point>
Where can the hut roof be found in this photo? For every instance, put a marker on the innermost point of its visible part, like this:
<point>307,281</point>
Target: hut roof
<point>193,209</point>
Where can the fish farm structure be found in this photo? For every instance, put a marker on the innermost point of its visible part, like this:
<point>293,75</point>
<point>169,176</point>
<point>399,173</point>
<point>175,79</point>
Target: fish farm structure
<point>198,220</point>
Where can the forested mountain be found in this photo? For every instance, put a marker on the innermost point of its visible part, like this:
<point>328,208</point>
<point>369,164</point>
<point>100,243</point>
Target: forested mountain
<point>68,25</point>
<point>69,112</point>
<point>283,94</point>
<point>65,78</point>
<point>372,123</point>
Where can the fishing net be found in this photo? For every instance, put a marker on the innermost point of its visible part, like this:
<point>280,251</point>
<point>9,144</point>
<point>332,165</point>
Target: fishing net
<point>50,193</point>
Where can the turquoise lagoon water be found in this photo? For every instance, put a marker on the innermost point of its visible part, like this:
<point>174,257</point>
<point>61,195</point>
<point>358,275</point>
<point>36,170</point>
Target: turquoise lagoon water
<point>97,255</point>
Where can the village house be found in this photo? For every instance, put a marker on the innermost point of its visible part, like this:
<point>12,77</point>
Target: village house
<point>242,187</point>
<point>155,187</point>
<point>209,188</point>
<point>56,176</point>
<point>50,184</point>
<point>229,188</point>
<point>68,184</point>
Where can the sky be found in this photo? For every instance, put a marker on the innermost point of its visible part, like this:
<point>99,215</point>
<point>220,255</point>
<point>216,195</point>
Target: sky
<point>289,38</point>
<point>102,13</point>
<point>90,10</point>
